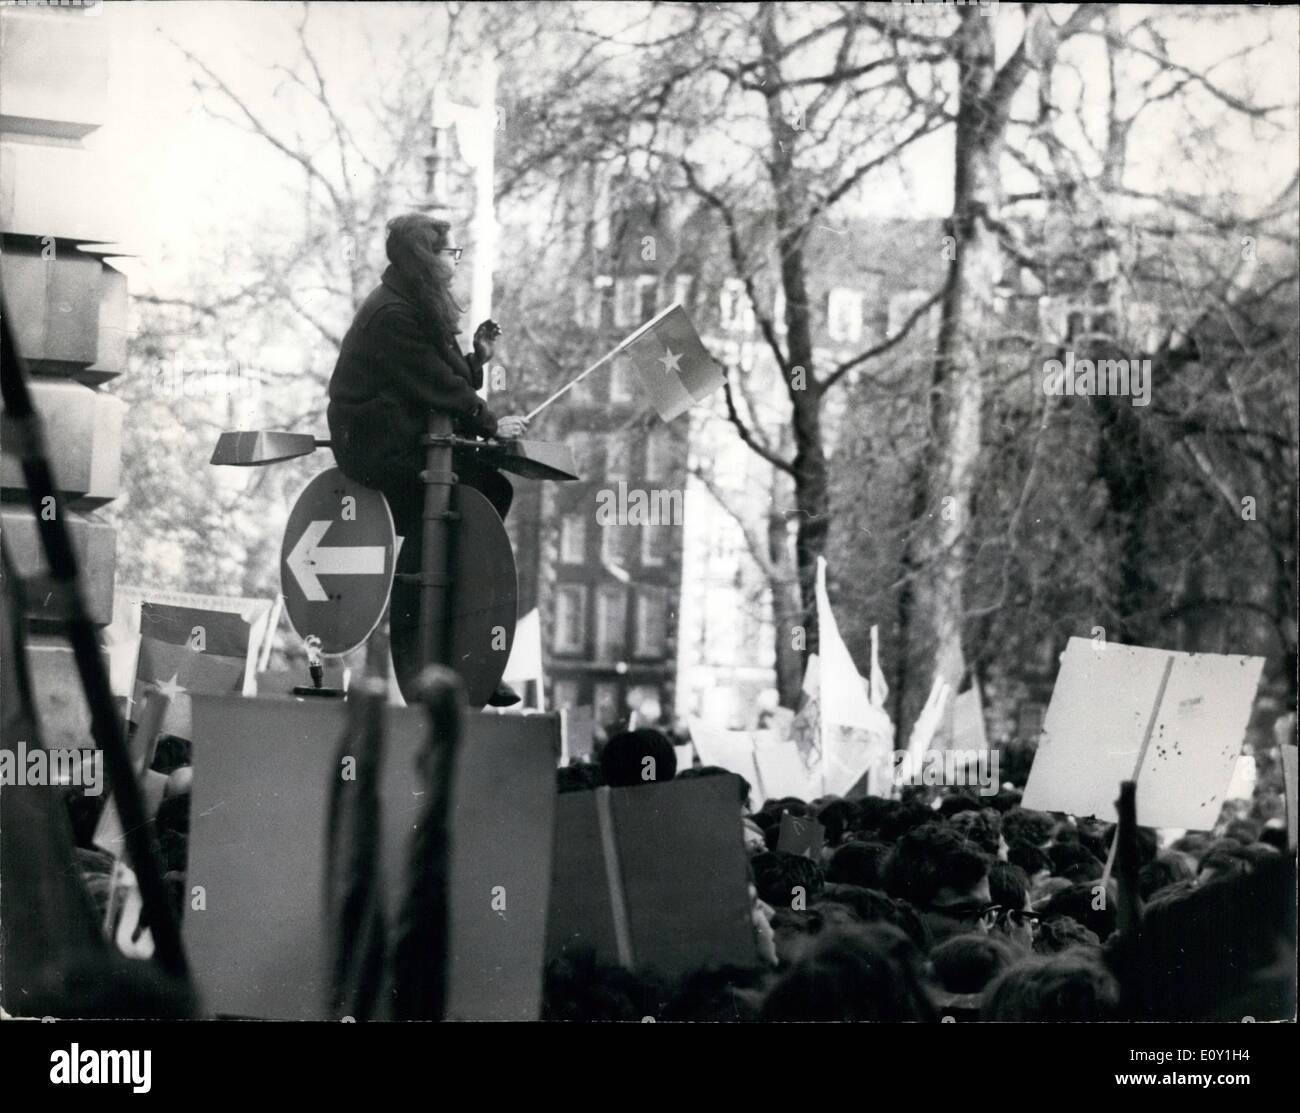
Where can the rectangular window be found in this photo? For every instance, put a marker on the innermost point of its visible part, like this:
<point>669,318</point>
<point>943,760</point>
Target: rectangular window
<point>564,693</point>
<point>654,546</point>
<point>607,704</point>
<point>620,381</point>
<point>659,453</point>
<point>613,544</point>
<point>651,623</point>
<point>682,290</point>
<point>647,297</point>
<point>570,618</point>
<point>624,302</point>
<point>573,539</point>
<point>611,623</point>
<point>603,303</point>
<point>618,456</point>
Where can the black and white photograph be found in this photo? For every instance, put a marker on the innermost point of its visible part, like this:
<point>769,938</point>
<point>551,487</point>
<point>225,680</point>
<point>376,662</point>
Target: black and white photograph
<point>567,515</point>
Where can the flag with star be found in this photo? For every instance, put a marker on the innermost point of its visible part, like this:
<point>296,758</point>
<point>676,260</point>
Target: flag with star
<point>186,649</point>
<point>671,362</point>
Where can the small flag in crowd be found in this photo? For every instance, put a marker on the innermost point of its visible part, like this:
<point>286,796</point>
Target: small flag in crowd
<point>672,363</point>
<point>187,649</point>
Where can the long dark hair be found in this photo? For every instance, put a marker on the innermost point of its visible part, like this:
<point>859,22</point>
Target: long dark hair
<point>413,244</point>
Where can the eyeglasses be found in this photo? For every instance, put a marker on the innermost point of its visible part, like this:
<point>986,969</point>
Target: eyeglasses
<point>967,910</point>
<point>1020,916</point>
<point>454,252</point>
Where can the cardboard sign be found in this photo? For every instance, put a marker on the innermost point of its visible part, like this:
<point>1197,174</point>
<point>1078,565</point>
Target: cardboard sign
<point>262,775</point>
<point>579,727</point>
<point>652,877</point>
<point>1093,735</point>
<point>732,750</point>
<point>800,836</point>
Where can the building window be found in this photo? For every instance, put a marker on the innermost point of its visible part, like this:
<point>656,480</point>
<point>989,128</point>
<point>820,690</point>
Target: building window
<point>682,290</point>
<point>606,704</point>
<point>564,693</point>
<point>654,546</point>
<point>613,544</point>
<point>611,623</point>
<point>844,315</point>
<point>651,623</point>
<point>618,456</point>
<point>620,381</point>
<point>573,539</point>
<point>625,298</point>
<point>570,618</point>
<point>586,448</point>
<point>658,453</point>
<point>647,297</point>
<point>603,302</point>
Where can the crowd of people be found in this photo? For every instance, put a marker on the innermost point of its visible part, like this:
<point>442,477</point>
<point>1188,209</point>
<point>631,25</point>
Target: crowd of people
<point>951,906</point>
<point>941,905</point>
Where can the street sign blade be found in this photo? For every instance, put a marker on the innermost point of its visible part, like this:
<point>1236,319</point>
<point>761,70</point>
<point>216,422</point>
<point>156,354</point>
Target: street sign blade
<point>253,448</point>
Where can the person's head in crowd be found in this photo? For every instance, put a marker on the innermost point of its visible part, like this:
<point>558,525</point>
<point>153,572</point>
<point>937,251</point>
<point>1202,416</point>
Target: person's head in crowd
<point>172,824</point>
<point>871,812</point>
<point>905,817</point>
<point>578,777</point>
<point>1043,891</point>
<point>1227,858</point>
<point>715,771</point>
<point>1062,933</point>
<point>1274,835</point>
<point>786,880</point>
<point>794,933</point>
<point>869,973</point>
<point>858,863</point>
<point>1072,985</point>
<point>1005,799</point>
<point>1217,952</point>
<point>1035,862</point>
<point>577,987</point>
<point>945,877</point>
<point>1168,868</point>
<point>1195,843</point>
<point>838,818</point>
<point>638,757</point>
<point>870,906</point>
<point>983,826</point>
<point>1028,828</point>
<point>1074,862</point>
<point>755,837</point>
<point>1086,902</point>
<point>1009,889</point>
<point>962,969</point>
<point>1243,830</point>
<point>171,753</point>
<point>957,802</point>
<point>729,993</point>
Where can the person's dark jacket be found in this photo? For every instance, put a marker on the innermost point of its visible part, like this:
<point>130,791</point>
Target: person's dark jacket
<point>395,365</point>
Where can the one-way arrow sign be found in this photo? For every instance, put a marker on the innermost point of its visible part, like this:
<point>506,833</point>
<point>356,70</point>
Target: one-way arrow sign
<point>309,560</point>
<point>336,562</point>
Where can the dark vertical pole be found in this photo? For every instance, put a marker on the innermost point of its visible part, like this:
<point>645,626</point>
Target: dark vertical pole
<point>438,480</point>
<point>26,438</point>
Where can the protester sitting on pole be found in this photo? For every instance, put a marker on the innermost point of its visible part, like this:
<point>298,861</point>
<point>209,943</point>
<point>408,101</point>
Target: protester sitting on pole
<point>399,361</point>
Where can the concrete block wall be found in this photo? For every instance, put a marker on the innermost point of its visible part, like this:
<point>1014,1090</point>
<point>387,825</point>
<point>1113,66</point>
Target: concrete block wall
<point>68,307</point>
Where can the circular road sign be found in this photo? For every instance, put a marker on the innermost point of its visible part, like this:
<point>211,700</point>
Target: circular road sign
<point>337,560</point>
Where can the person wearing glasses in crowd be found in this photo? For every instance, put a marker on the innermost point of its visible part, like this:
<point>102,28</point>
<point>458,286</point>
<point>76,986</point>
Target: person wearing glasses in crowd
<point>398,362</point>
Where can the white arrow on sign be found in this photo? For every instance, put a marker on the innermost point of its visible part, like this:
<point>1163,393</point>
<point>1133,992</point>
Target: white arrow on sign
<point>309,559</point>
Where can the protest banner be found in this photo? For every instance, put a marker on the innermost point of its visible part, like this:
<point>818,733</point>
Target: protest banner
<point>183,643</point>
<point>653,877</point>
<point>1173,722</point>
<point>253,911</point>
<point>732,750</point>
